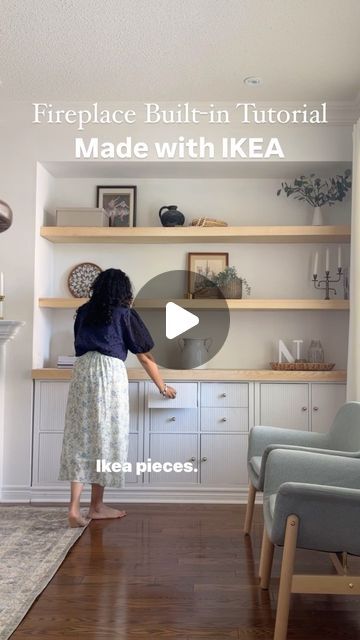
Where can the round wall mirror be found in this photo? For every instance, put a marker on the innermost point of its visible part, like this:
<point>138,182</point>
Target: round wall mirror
<point>6,216</point>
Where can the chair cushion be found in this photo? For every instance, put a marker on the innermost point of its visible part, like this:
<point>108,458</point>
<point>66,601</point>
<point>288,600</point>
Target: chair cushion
<point>255,464</point>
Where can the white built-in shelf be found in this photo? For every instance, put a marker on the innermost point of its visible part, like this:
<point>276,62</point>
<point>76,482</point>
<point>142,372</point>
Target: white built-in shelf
<point>179,235</point>
<point>246,304</point>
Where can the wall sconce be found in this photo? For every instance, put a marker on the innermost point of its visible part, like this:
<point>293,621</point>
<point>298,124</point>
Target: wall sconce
<point>6,216</point>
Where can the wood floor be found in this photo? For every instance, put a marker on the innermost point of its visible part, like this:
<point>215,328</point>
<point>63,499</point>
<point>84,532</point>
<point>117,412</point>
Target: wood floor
<point>180,572</point>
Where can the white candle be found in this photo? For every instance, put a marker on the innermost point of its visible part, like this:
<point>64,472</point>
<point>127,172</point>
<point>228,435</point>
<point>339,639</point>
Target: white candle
<point>316,263</point>
<point>339,257</point>
<point>2,284</point>
<point>327,260</point>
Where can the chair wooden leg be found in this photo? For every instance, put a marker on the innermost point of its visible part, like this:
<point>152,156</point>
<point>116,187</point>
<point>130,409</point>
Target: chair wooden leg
<point>286,576</point>
<point>249,509</point>
<point>266,560</point>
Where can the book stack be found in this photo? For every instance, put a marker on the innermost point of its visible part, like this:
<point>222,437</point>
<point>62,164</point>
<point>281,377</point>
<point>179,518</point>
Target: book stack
<point>64,362</point>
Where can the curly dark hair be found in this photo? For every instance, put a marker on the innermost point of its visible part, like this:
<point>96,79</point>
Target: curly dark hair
<point>110,289</point>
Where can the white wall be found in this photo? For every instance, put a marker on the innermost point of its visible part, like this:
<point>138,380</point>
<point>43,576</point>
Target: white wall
<point>23,145</point>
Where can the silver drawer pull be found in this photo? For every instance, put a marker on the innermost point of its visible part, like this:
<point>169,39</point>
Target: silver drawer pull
<point>303,408</point>
<point>223,419</point>
<point>192,459</point>
<point>204,459</point>
<point>223,395</point>
<point>173,419</point>
<point>316,408</point>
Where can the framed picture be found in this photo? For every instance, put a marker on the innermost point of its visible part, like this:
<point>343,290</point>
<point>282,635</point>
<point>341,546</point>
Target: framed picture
<point>119,204</point>
<point>204,265</point>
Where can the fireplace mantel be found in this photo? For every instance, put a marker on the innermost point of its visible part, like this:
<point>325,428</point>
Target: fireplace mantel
<point>9,329</point>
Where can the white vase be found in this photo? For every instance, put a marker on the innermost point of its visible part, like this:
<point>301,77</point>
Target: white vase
<point>318,218</point>
<point>194,351</point>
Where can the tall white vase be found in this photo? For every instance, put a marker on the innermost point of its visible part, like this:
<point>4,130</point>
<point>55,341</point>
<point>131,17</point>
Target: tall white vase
<point>194,351</point>
<point>318,217</point>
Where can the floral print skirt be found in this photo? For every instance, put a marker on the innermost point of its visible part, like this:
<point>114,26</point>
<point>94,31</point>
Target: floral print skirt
<point>96,420</point>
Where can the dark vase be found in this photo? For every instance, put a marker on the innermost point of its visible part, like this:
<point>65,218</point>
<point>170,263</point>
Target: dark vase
<point>171,216</point>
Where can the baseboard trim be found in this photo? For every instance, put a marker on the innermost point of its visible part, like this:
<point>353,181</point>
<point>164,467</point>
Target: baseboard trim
<point>15,493</point>
<point>170,495</point>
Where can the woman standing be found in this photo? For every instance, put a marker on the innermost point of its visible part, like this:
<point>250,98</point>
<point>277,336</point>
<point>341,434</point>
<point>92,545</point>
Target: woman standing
<point>97,411</point>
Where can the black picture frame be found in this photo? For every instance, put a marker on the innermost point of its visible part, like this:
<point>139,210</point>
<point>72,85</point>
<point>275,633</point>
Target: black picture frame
<point>117,214</point>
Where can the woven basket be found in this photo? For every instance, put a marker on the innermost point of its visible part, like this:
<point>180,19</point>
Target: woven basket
<point>232,289</point>
<point>208,222</point>
<point>302,366</point>
<point>207,292</point>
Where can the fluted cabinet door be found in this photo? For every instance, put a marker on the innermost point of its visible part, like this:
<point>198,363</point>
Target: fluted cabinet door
<point>173,447</point>
<point>326,401</point>
<point>48,461</point>
<point>223,459</point>
<point>284,405</point>
<point>135,454</point>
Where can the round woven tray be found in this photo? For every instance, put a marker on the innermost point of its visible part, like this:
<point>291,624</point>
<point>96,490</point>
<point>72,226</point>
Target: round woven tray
<point>302,366</point>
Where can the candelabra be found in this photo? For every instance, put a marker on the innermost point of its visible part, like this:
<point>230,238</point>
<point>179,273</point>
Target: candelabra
<point>324,285</point>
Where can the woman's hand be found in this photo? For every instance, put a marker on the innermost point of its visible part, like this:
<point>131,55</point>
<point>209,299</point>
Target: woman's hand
<point>169,392</point>
<point>147,361</point>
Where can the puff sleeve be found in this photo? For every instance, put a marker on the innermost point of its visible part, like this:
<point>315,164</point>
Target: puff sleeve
<point>136,335</point>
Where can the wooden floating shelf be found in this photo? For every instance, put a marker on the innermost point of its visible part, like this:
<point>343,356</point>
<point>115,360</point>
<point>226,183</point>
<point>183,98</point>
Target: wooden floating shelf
<point>210,374</point>
<point>162,235</point>
<point>247,304</point>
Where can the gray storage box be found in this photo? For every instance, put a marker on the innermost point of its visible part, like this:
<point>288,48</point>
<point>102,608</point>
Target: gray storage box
<point>81,217</point>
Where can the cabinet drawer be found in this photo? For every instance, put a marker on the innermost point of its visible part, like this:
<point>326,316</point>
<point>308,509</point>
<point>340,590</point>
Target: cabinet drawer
<point>183,420</point>
<point>186,397</point>
<point>233,419</point>
<point>227,394</point>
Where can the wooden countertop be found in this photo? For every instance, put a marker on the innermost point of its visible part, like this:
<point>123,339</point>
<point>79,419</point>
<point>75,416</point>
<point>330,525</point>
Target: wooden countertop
<point>337,375</point>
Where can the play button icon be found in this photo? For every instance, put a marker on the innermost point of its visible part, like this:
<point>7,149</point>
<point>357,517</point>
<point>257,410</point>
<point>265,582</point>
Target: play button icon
<point>178,320</point>
<point>188,318</point>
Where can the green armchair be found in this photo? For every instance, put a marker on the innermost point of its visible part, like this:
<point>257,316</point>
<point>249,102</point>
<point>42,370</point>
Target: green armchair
<point>311,501</point>
<point>343,439</point>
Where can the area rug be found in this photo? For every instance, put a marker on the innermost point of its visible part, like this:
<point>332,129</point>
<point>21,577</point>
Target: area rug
<point>33,543</point>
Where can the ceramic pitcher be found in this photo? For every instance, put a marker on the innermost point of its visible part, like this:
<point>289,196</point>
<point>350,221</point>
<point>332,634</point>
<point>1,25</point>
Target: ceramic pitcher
<point>194,351</point>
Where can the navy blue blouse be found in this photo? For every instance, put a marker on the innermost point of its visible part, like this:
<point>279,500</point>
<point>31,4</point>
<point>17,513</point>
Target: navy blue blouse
<point>127,332</point>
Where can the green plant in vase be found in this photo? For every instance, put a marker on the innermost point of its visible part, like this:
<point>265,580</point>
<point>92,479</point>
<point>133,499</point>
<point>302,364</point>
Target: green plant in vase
<point>318,191</point>
<point>230,284</point>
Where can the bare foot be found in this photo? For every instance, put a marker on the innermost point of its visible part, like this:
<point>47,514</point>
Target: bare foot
<point>103,511</point>
<point>77,520</point>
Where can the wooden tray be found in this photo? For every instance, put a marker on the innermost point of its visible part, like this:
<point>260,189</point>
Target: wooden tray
<point>302,366</point>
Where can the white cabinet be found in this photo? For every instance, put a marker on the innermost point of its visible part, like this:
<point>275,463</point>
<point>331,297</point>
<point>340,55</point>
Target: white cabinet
<point>227,419</point>
<point>173,420</point>
<point>224,394</point>
<point>49,419</point>
<point>186,397</point>
<point>326,400</point>
<point>223,459</point>
<point>47,462</point>
<point>172,448</point>
<point>284,405</point>
<point>207,424</point>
